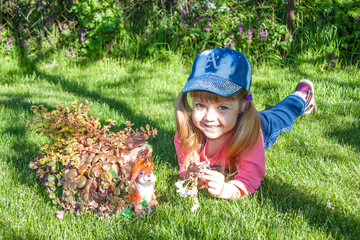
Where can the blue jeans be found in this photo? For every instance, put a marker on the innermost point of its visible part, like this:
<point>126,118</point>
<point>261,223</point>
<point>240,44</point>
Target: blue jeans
<point>280,118</point>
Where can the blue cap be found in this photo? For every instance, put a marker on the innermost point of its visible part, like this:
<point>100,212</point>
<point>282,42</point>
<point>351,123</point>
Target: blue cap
<point>223,71</point>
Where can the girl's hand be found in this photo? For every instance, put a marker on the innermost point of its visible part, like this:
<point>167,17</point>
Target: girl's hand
<point>215,182</point>
<point>193,169</point>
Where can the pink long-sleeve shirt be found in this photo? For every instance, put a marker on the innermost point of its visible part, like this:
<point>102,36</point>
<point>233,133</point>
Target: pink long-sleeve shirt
<point>250,165</point>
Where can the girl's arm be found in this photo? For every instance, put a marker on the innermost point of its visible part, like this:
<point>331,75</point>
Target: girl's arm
<point>250,172</point>
<point>251,168</point>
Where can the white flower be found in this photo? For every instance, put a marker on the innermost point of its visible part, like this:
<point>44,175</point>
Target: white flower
<point>182,192</point>
<point>223,8</point>
<point>328,10</point>
<point>189,192</point>
<point>211,5</point>
<point>195,207</point>
<point>192,192</point>
<point>179,184</point>
<point>328,205</point>
<point>196,5</point>
<point>185,191</point>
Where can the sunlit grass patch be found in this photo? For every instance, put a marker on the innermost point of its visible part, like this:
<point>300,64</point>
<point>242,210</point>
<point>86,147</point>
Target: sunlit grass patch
<point>311,187</point>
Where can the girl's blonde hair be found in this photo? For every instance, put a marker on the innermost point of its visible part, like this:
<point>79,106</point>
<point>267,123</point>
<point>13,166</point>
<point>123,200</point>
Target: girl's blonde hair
<point>245,133</point>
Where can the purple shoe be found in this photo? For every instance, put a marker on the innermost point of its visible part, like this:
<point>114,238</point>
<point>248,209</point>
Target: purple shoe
<point>306,88</point>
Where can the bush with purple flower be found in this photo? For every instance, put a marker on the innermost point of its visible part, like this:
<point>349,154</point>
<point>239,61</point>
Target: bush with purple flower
<point>7,40</point>
<point>93,29</point>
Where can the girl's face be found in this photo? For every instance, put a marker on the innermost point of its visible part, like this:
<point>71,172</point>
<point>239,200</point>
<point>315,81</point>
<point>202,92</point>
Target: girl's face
<point>215,120</point>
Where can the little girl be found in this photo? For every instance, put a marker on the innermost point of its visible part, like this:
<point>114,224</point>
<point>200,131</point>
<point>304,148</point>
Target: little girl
<point>223,126</point>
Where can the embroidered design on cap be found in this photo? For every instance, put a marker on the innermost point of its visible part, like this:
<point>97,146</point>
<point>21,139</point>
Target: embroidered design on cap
<point>212,59</point>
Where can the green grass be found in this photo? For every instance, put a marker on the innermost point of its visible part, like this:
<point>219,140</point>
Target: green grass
<point>311,189</point>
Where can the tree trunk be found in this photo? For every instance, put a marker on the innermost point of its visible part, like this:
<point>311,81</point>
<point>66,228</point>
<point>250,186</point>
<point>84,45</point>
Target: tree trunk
<point>289,21</point>
<point>1,13</point>
<point>289,18</point>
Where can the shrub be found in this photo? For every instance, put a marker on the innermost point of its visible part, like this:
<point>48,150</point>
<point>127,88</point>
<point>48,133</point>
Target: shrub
<point>324,32</point>
<point>245,27</point>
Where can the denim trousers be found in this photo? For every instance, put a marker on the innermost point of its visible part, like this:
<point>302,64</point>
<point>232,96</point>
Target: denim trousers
<point>280,118</point>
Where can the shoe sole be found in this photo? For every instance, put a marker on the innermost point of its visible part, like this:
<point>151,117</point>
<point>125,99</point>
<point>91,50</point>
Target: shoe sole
<point>310,83</point>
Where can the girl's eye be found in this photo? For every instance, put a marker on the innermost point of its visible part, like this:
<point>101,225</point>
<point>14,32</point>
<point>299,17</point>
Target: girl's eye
<point>223,107</point>
<point>199,105</point>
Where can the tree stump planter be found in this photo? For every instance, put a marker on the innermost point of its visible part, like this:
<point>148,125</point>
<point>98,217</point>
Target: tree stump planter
<point>85,167</point>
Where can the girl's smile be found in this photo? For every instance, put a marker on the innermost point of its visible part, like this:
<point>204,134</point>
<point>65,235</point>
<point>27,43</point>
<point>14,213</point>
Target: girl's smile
<point>215,120</point>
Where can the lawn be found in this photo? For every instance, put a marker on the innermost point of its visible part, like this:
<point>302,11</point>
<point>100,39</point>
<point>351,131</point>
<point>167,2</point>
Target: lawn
<point>311,189</point>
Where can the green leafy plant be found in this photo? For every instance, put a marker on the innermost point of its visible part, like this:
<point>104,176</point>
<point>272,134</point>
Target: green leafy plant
<point>245,27</point>
<point>101,21</point>
<point>98,29</point>
<point>6,40</point>
<point>85,167</point>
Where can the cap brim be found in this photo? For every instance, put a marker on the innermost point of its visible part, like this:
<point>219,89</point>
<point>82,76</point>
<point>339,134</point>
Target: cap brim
<point>213,84</point>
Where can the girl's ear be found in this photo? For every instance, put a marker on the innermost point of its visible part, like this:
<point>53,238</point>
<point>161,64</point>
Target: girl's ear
<point>242,107</point>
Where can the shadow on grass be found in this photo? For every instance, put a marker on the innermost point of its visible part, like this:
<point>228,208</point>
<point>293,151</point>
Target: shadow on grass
<point>10,233</point>
<point>288,200</point>
<point>18,101</point>
<point>22,149</point>
<point>343,125</point>
<point>348,136</point>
